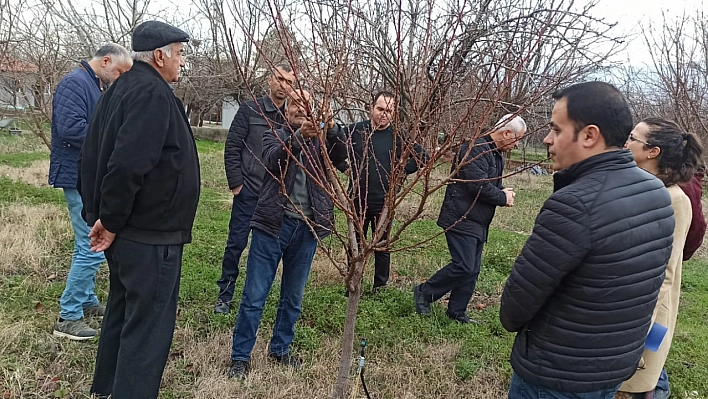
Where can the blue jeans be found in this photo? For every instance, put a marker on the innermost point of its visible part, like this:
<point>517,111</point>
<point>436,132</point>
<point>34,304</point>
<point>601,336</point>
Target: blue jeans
<point>520,389</point>
<point>296,247</point>
<point>79,292</point>
<point>241,212</point>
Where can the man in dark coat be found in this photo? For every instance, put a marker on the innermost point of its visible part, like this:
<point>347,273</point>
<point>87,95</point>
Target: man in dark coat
<point>245,172</point>
<point>581,293</point>
<point>283,226</point>
<point>467,210</point>
<point>140,187</point>
<point>72,106</point>
<point>375,149</point>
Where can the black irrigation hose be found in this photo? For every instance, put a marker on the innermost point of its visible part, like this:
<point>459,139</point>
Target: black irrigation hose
<point>362,368</point>
<point>363,384</point>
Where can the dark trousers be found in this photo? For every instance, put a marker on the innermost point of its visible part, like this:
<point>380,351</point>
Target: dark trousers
<point>382,260</point>
<point>459,277</point>
<point>239,227</point>
<point>140,319</point>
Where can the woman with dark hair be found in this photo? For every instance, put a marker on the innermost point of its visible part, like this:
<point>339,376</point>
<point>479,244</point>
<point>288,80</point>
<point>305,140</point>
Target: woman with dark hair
<point>663,149</point>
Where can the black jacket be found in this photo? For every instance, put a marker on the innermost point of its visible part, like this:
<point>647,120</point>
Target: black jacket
<point>582,292</point>
<point>269,212</point>
<point>244,142</point>
<point>372,193</point>
<point>469,206</point>
<point>139,168</point>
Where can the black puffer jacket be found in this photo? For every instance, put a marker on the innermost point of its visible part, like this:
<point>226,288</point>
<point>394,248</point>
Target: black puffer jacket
<point>469,206</point>
<point>268,216</point>
<point>582,291</point>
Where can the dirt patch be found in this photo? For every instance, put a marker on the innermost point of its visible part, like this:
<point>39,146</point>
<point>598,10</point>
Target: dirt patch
<point>36,174</point>
<point>30,236</point>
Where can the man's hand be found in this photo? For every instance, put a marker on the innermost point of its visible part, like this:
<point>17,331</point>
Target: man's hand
<point>510,194</point>
<point>237,190</point>
<point>101,239</point>
<point>308,130</point>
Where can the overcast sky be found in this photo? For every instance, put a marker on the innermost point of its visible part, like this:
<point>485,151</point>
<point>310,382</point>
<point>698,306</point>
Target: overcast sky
<point>629,14</point>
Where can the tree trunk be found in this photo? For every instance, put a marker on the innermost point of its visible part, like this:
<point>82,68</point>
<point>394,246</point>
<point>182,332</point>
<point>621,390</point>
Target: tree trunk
<point>345,361</point>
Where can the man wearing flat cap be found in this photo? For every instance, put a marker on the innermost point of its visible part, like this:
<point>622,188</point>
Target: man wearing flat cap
<point>139,181</point>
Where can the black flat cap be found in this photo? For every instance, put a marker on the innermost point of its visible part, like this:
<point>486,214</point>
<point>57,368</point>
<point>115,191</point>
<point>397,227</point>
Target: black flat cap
<point>151,35</point>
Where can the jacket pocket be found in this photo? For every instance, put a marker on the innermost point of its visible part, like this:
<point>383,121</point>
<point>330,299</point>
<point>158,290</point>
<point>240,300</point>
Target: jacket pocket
<point>253,144</point>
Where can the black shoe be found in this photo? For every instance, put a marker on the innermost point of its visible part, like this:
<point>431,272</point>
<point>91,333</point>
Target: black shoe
<point>421,305</point>
<point>222,307</point>
<point>238,369</point>
<point>286,360</point>
<point>378,289</point>
<point>463,318</point>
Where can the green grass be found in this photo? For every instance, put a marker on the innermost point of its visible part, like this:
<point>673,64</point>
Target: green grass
<point>22,159</point>
<point>400,343</point>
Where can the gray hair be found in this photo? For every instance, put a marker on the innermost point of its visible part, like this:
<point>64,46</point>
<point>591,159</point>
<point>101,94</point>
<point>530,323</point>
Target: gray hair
<point>149,56</point>
<point>115,51</point>
<point>511,122</point>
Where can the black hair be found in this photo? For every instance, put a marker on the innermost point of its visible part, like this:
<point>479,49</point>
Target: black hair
<point>599,104</point>
<point>284,66</point>
<point>382,93</point>
<point>680,155</point>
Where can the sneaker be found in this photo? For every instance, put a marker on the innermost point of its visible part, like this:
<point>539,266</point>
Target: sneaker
<point>95,311</point>
<point>463,318</point>
<point>238,369</point>
<point>76,330</point>
<point>222,307</point>
<point>421,305</point>
<point>286,360</point>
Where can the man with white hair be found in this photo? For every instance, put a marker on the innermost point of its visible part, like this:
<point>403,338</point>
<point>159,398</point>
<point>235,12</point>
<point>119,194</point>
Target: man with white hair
<point>140,187</point>
<point>73,103</point>
<point>470,201</point>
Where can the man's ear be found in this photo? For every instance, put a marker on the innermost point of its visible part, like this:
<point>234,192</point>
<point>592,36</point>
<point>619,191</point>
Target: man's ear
<point>105,61</point>
<point>590,136</point>
<point>159,56</point>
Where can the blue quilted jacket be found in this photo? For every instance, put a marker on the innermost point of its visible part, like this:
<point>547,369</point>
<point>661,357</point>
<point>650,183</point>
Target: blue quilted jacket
<point>74,100</point>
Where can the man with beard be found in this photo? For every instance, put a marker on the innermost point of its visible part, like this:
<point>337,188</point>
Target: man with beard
<point>376,147</point>
<point>72,106</point>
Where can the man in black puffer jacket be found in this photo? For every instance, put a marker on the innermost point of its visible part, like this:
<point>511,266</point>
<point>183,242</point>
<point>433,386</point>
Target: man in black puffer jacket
<point>581,293</point>
<point>469,206</point>
<point>282,229</point>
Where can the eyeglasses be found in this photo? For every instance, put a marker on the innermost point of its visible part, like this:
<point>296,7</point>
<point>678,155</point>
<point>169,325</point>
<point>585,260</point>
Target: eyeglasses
<point>632,138</point>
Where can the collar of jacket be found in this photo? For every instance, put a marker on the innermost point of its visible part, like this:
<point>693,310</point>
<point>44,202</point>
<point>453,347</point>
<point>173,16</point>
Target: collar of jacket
<point>143,67</point>
<point>269,106</point>
<point>99,83</point>
<point>491,142</point>
<point>607,161</point>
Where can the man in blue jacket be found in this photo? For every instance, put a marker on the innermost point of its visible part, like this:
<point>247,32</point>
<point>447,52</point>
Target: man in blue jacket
<point>74,100</point>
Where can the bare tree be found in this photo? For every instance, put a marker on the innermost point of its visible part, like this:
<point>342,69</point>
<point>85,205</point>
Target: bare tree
<point>675,83</point>
<point>453,66</point>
